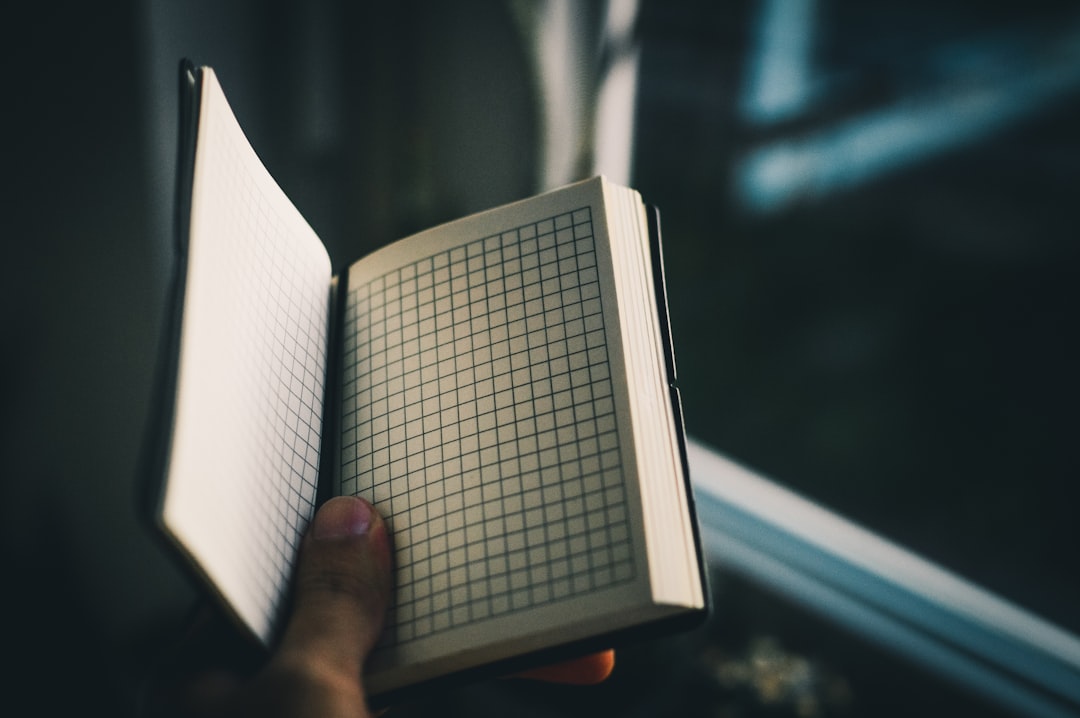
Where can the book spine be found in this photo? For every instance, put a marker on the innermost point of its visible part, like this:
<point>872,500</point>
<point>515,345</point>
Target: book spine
<point>330,442</point>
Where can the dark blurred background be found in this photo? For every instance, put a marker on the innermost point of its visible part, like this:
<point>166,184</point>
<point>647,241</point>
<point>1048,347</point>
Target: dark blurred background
<point>869,213</point>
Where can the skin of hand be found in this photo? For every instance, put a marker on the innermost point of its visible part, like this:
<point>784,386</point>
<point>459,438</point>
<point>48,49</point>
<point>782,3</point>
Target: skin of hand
<point>342,590</point>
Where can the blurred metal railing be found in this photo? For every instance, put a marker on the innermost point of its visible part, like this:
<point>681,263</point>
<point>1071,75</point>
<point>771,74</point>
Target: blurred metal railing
<point>887,594</point>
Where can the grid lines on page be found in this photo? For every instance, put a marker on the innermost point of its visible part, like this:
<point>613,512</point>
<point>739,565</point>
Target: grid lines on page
<point>478,416</point>
<point>276,312</point>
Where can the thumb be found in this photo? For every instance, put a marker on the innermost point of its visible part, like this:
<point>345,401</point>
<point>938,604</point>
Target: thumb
<point>342,589</point>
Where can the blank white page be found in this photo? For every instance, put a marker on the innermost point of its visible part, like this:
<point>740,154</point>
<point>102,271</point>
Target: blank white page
<point>242,469</point>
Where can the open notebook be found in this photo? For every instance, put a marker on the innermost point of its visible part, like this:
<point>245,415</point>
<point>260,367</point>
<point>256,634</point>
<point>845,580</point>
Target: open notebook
<point>500,387</point>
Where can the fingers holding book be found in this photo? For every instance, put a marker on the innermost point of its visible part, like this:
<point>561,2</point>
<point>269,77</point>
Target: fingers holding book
<point>342,591</point>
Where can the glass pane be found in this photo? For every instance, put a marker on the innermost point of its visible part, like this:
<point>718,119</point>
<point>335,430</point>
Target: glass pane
<point>870,229</point>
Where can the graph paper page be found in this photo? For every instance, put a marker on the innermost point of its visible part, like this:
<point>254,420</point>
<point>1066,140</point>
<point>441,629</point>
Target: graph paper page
<point>242,470</point>
<point>480,416</point>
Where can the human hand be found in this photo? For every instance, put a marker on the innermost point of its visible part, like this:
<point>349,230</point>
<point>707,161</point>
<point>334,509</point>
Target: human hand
<point>342,590</point>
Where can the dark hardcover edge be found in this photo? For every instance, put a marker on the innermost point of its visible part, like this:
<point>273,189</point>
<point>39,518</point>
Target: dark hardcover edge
<point>656,247</point>
<point>330,448</point>
<point>622,637</point>
<point>158,441</point>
